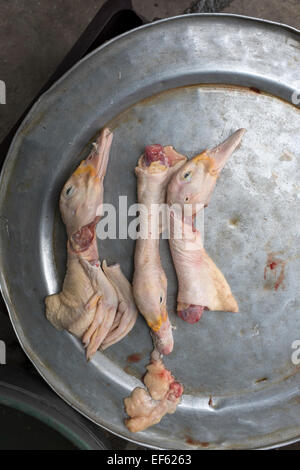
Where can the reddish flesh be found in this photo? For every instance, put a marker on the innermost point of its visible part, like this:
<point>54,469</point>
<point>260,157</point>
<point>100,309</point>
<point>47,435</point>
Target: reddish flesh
<point>191,314</point>
<point>84,237</point>
<point>147,407</point>
<point>155,153</point>
<point>165,375</point>
<point>175,391</point>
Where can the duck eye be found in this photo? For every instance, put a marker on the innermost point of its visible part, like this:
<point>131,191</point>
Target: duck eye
<point>187,176</point>
<point>69,191</point>
<point>160,299</point>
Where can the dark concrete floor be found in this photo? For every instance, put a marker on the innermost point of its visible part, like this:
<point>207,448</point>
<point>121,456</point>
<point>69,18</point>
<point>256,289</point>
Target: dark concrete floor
<point>34,38</point>
<point>36,35</point>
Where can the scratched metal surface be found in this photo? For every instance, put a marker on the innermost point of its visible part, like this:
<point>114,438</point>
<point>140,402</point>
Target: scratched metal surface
<point>186,82</point>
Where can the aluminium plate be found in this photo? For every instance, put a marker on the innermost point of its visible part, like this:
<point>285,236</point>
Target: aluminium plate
<point>189,82</point>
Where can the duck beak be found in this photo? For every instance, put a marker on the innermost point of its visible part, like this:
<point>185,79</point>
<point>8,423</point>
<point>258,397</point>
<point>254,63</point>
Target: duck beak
<point>155,326</point>
<point>98,158</point>
<point>222,152</point>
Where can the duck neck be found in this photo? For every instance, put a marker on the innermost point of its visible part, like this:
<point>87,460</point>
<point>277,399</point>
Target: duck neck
<point>83,244</point>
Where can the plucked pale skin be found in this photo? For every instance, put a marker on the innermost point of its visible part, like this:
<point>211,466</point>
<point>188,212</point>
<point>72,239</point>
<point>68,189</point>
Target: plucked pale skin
<point>90,301</point>
<point>149,281</point>
<point>201,285</point>
<point>147,407</point>
<point>127,312</point>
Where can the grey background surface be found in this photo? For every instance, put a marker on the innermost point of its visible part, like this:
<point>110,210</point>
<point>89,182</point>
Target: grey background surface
<point>36,35</point>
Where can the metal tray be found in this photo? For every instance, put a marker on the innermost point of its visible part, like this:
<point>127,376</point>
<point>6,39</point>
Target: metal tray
<point>187,81</point>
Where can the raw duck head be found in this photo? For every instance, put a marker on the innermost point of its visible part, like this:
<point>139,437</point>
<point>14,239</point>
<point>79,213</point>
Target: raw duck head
<point>82,196</point>
<point>194,183</point>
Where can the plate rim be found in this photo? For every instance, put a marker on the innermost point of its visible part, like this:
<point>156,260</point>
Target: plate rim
<point>9,160</point>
